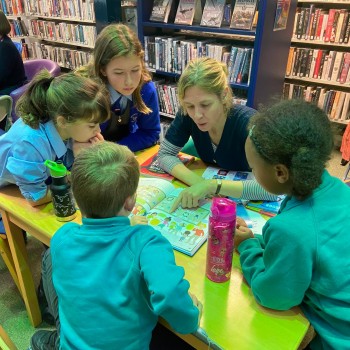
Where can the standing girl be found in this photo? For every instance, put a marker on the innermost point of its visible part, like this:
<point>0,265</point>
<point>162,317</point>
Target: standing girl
<point>54,112</point>
<point>118,59</point>
<point>302,257</point>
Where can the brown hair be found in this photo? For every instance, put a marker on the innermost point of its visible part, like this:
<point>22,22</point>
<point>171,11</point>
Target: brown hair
<point>103,177</point>
<point>5,26</point>
<point>69,95</point>
<point>117,40</point>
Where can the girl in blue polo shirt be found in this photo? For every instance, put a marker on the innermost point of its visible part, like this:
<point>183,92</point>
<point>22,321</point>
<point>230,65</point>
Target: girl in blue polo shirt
<point>119,62</point>
<point>55,113</point>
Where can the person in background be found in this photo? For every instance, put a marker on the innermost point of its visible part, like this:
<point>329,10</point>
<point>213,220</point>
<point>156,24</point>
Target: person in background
<point>12,74</point>
<point>218,129</point>
<point>302,256</point>
<point>118,59</point>
<point>55,112</point>
<point>112,280</point>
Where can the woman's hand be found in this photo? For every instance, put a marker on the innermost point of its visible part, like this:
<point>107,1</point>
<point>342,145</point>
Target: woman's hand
<point>138,220</point>
<point>189,197</point>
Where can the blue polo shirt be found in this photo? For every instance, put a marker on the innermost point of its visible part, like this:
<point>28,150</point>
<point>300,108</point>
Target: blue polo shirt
<point>23,151</point>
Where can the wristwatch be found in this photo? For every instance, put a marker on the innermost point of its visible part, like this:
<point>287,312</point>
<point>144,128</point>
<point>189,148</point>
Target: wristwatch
<point>218,186</point>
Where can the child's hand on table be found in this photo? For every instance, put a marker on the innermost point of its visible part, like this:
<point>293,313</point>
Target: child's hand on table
<point>242,233</point>
<point>197,304</point>
<point>138,220</point>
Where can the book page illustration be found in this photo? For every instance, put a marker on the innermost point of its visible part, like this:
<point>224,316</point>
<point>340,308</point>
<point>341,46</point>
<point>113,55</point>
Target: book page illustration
<point>186,229</point>
<point>149,195</point>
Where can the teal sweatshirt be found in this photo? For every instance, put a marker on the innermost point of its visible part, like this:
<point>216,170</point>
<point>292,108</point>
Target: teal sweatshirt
<point>303,258</point>
<point>113,280</point>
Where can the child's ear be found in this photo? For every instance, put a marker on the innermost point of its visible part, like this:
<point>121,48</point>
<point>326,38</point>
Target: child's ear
<point>103,72</point>
<point>130,203</point>
<point>61,121</point>
<point>282,173</point>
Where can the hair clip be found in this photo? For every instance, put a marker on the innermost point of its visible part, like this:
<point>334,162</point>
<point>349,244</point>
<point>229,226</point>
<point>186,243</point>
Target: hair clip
<point>251,131</point>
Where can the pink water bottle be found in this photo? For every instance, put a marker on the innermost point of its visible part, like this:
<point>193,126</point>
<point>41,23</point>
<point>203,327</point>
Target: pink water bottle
<point>222,223</point>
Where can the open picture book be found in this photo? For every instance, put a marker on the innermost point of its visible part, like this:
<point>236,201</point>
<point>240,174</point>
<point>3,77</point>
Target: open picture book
<point>186,229</point>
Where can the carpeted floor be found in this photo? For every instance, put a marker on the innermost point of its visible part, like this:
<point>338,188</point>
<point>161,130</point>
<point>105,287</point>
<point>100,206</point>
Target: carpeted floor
<point>13,315</point>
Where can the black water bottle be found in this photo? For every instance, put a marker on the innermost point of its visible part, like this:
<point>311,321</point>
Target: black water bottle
<point>62,198</point>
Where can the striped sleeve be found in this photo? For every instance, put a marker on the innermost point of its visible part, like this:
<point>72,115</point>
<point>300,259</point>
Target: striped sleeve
<point>253,191</point>
<point>167,156</point>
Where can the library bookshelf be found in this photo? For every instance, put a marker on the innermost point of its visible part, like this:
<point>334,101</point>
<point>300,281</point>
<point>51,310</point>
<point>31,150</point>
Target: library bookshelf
<point>63,31</point>
<point>319,58</point>
<point>268,50</point>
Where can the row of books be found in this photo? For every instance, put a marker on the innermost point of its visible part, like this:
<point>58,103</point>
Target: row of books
<point>327,25</point>
<point>327,65</point>
<point>69,9</point>
<point>167,96</point>
<point>65,57</point>
<point>216,13</point>
<point>335,103</point>
<point>64,32</point>
<point>18,28</point>
<point>172,54</point>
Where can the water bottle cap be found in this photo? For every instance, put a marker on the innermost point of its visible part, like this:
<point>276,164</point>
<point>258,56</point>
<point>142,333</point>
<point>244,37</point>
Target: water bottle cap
<point>57,169</point>
<point>223,209</point>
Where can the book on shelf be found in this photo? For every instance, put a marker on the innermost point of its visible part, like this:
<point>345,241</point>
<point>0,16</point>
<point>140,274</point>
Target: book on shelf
<point>243,14</point>
<point>150,167</point>
<point>161,10</point>
<point>213,13</point>
<point>188,12</point>
<point>186,229</point>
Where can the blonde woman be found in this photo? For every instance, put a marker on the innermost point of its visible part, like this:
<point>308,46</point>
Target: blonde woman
<point>218,129</point>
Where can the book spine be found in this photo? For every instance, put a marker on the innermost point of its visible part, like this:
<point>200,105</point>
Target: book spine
<point>345,69</point>
<point>317,64</point>
<point>329,26</point>
<point>343,27</point>
<point>314,24</point>
<point>347,31</point>
<point>334,26</point>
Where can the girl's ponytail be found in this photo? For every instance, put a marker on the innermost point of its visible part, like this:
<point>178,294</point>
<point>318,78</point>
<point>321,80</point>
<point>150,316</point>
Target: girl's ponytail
<point>32,105</point>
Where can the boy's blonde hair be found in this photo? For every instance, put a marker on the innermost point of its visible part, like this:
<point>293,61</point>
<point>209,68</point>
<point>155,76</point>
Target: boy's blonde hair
<point>118,40</point>
<point>209,75</point>
<point>103,177</point>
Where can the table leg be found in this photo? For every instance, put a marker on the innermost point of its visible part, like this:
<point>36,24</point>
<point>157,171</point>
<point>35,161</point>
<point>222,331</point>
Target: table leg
<point>24,274</point>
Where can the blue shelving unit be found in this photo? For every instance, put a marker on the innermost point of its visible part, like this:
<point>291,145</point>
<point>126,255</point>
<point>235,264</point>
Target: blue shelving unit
<point>270,47</point>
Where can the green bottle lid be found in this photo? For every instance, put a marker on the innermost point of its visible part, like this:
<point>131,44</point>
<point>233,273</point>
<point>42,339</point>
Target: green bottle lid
<point>57,169</point>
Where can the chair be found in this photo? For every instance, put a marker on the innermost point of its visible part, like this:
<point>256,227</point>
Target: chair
<point>5,110</point>
<point>32,67</point>
<point>18,46</point>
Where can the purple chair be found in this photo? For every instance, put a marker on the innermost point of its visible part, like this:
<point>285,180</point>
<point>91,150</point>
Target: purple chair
<point>5,110</point>
<point>32,67</point>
